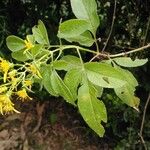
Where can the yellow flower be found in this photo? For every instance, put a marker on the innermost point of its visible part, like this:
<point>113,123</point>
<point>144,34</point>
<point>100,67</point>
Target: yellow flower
<point>6,106</point>
<point>3,89</point>
<point>4,66</point>
<point>11,75</point>
<point>28,44</point>
<point>23,95</point>
<point>28,83</point>
<point>33,69</point>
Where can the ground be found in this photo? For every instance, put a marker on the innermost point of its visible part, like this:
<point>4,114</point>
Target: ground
<point>47,125</point>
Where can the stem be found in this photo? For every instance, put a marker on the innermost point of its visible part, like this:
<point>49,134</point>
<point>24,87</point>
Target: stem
<point>97,47</point>
<point>95,57</point>
<point>143,120</point>
<point>112,26</point>
<point>79,56</point>
<point>120,54</point>
<point>75,47</point>
<point>100,54</point>
<point>87,50</point>
<point>130,52</point>
<point>52,56</point>
<point>145,37</point>
<point>42,58</point>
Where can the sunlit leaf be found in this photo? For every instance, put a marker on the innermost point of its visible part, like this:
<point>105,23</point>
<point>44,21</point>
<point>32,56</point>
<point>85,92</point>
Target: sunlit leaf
<point>104,75</point>
<point>128,77</point>
<point>60,88</point>
<point>67,62</point>
<point>128,62</point>
<point>36,49</point>
<point>85,39</point>
<point>86,9</point>
<point>99,91</point>
<point>31,38</point>
<point>92,110</point>
<point>126,94</point>
<point>76,30</point>
<point>20,56</point>
<point>40,33</point>
<point>46,72</point>
<point>15,43</point>
<point>72,28</point>
<point>72,80</point>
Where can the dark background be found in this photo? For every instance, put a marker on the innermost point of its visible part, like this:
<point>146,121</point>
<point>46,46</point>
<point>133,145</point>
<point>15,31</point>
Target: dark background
<point>131,30</point>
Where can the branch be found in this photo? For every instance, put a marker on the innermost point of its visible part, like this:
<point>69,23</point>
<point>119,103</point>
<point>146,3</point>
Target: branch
<point>120,54</point>
<point>143,120</point>
<point>112,26</point>
<point>130,52</point>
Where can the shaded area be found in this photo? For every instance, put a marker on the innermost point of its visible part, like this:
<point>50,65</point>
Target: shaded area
<point>51,125</point>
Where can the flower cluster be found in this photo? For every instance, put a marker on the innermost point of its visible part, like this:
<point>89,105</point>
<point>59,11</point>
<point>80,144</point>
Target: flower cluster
<point>6,104</point>
<point>12,79</point>
<point>4,67</point>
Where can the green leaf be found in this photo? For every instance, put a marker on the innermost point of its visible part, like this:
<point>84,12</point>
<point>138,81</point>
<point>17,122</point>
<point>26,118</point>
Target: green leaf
<point>15,43</point>
<point>31,39</point>
<point>72,80</point>
<point>40,33</point>
<point>60,88</point>
<point>72,59</point>
<point>20,56</point>
<point>92,110</point>
<point>126,94</point>
<point>128,77</point>
<point>104,75</point>
<point>72,28</point>
<point>36,49</point>
<point>128,62</point>
<point>46,71</point>
<point>61,65</point>
<point>42,53</point>
<point>85,39</point>
<point>99,91</point>
<point>86,9</point>
<point>67,62</point>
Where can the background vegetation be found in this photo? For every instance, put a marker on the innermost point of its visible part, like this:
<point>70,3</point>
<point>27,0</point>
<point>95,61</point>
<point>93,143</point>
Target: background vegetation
<point>131,29</point>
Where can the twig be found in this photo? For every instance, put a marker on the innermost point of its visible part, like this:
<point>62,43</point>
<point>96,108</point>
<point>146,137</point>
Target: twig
<point>145,37</point>
<point>130,52</point>
<point>120,54</point>
<point>143,120</point>
<point>40,110</point>
<point>112,26</point>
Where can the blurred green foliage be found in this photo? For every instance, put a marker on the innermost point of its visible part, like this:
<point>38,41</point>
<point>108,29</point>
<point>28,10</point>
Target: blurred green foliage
<point>131,30</point>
